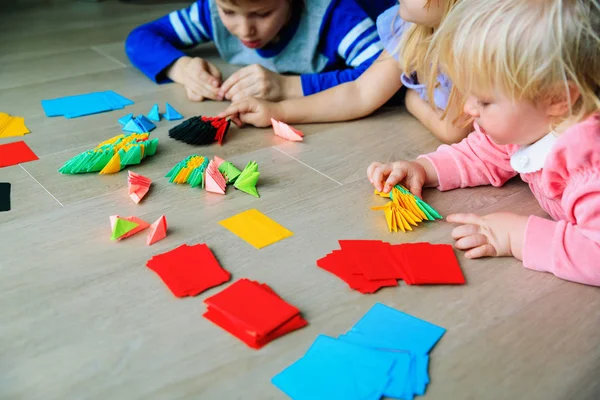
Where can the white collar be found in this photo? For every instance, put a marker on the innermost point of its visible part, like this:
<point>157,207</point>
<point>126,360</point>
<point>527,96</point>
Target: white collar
<point>531,158</point>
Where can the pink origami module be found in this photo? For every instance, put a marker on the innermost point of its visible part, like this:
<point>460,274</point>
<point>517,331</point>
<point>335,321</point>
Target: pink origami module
<point>158,231</point>
<point>214,180</point>
<point>124,227</point>
<point>285,131</point>
<point>218,161</point>
<point>138,186</point>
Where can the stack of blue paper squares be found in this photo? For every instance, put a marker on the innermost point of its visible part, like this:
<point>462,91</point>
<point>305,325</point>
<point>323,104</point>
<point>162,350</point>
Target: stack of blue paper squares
<point>85,104</point>
<point>384,354</point>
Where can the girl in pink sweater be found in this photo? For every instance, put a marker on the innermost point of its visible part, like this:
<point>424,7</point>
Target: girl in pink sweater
<point>531,75</point>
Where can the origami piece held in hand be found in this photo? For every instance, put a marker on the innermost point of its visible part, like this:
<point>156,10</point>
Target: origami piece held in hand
<point>112,155</point>
<point>12,126</point>
<point>125,227</point>
<point>138,186</point>
<point>171,114</point>
<point>158,231</point>
<point>285,131</point>
<point>247,180</point>
<point>154,115</point>
<point>201,130</point>
<point>405,210</point>
<point>214,180</point>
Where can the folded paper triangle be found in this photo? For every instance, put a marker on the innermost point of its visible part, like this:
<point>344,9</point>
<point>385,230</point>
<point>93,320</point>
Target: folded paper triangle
<point>125,227</point>
<point>154,115</point>
<point>138,186</point>
<point>285,131</point>
<point>248,179</point>
<point>218,161</point>
<point>229,171</point>
<point>214,181</point>
<point>145,123</point>
<point>132,126</point>
<point>171,113</point>
<point>158,231</point>
<point>125,119</point>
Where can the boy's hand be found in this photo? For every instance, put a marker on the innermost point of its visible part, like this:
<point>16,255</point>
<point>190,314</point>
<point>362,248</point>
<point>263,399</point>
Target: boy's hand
<point>253,111</point>
<point>200,78</point>
<point>493,235</point>
<point>385,176</point>
<point>257,81</point>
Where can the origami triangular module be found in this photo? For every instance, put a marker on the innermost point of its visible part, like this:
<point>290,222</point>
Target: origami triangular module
<point>405,210</point>
<point>154,115</point>
<point>125,227</point>
<point>138,186</point>
<point>125,119</point>
<point>132,126</point>
<point>214,181</point>
<point>171,113</point>
<point>285,131</point>
<point>145,123</point>
<point>158,231</point>
<point>248,179</point>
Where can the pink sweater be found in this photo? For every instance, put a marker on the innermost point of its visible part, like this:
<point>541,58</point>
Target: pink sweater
<point>567,188</point>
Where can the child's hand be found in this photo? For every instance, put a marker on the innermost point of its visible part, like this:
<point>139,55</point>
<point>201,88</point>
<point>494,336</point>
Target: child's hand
<point>253,111</point>
<point>385,176</point>
<point>257,81</point>
<point>493,235</point>
<point>200,78</point>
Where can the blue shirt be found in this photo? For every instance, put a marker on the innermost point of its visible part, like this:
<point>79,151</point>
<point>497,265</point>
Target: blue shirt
<point>391,27</point>
<point>347,39</point>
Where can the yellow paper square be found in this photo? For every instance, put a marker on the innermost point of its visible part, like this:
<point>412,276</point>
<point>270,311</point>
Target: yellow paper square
<point>256,228</point>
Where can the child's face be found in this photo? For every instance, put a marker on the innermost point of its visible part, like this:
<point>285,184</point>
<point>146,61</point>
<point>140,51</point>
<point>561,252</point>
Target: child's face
<point>418,12</point>
<point>508,122</point>
<point>255,23</point>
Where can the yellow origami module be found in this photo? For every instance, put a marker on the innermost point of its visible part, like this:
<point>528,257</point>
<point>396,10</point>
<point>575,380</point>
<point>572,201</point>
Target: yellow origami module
<point>405,210</point>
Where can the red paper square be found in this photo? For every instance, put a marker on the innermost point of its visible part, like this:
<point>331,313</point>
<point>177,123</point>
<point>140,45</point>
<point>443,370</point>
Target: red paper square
<point>252,308</point>
<point>430,264</point>
<point>371,257</point>
<point>337,264</point>
<point>189,270</point>
<point>15,153</point>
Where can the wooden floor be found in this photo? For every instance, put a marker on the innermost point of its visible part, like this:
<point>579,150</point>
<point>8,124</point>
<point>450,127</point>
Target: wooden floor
<point>81,317</point>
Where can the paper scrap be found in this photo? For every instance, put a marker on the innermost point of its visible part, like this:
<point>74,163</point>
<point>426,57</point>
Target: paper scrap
<point>256,228</point>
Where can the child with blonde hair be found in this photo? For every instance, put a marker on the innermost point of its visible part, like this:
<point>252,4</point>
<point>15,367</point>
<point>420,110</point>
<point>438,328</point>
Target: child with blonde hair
<point>405,31</point>
<point>530,71</point>
<point>326,42</point>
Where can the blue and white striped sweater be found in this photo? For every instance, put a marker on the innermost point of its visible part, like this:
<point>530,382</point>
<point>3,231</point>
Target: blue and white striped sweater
<point>348,39</point>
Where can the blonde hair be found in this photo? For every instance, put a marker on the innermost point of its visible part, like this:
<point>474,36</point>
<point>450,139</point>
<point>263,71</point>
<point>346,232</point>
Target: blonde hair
<point>528,50</point>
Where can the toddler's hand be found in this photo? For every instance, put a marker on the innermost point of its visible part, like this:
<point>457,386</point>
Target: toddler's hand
<point>254,81</point>
<point>252,111</point>
<point>385,176</point>
<point>493,235</point>
<point>200,78</point>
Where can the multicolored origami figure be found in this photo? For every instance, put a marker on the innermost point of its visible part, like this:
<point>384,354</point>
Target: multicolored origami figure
<point>405,209</point>
<point>112,155</point>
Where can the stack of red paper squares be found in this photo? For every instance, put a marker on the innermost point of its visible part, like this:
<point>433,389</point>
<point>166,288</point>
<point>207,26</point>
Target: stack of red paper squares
<point>369,265</point>
<point>188,270</point>
<point>253,313</point>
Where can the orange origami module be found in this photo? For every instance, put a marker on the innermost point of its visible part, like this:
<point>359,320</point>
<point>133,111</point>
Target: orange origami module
<point>158,231</point>
<point>285,131</point>
<point>138,186</point>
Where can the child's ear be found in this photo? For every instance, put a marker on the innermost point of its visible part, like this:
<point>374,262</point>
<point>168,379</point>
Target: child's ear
<point>561,101</point>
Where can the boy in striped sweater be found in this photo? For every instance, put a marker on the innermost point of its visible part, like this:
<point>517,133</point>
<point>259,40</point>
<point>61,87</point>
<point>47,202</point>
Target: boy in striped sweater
<point>291,48</point>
